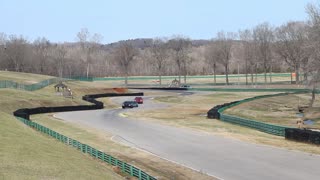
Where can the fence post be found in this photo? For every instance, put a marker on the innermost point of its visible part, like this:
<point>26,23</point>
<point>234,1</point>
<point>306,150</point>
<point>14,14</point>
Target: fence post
<point>139,173</point>
<point>123,165</point>
<point>131,170</point>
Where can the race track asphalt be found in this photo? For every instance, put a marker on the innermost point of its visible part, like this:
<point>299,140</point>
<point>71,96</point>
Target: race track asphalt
<point>214,155</point>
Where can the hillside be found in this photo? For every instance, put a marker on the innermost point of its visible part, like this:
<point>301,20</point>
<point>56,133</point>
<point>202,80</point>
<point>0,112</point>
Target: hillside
<point>27,154</point>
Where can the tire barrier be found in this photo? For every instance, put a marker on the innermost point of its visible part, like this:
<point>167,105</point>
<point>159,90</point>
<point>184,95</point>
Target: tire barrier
<point>217,112</point>
<point>303,135</point>
<point>23,115</point>
<point>213,112</point>
<point>158,88</point>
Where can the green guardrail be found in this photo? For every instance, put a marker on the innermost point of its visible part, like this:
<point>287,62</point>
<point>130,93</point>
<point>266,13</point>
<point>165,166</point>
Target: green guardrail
<point>250,90</point>
<point>171,77</point>
<point>261,126</point>
<point>28,87</point>
<point>264,127</point>
<point>84,148</point>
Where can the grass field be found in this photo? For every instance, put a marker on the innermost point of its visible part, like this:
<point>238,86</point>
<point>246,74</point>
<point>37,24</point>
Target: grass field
<point>202,81</point>
<point>24,78</point>
<point>27,154</point>
<point>279,110</point>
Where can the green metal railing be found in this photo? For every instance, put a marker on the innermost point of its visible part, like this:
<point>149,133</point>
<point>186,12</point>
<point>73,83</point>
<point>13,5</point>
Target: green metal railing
<point>251,90</point>
<point>171,77</point>
<point>84,148</point>
<point>261,126</point>
<point>28,87</point>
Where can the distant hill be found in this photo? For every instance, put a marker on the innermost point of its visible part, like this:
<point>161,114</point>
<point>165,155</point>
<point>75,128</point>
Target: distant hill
<point>143,43</point>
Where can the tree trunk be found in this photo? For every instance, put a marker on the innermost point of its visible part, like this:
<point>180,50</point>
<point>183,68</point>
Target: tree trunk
<point>270,73</point>
<point>179,75</point>
<point>126,79</point>
<point>160,80</point>
<point>305,76</point>
<point>252,75</point>
<point>246,64</point>
<point>296,69</point>
<point>256,78</point>
<point>126,76</point>
<point>313,97</point>
<point>88,67</point>
<point>227,75</point>
<point>214,74</point>
<point>265,74</point>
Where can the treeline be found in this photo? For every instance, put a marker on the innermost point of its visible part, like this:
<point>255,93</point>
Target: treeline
<point>291,47</point>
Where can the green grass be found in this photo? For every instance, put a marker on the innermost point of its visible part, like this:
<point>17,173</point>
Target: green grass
<point>24,78</point>
<point>28,154</point>
<point>196,81</point>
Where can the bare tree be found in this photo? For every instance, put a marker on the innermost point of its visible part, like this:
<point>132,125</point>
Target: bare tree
<point>224,44</point>
<point>211,55</point>
<point>291,39</point>
<point>314,44</point>
<point>3,47</point>
<point>124,55</point>
<point>15,51</point>
<point>248,52</point>
<point>60,57</point>
<point>263,37</point>
<point>159,51</point>
<point>180,47</point>
<point>42,46</point>
<point>89,45</point>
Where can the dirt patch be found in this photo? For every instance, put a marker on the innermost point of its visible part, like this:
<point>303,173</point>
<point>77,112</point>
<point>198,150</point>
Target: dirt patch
<point>120,90</point>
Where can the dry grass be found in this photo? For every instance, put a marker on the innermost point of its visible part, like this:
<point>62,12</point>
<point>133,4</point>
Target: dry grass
<point>25,78</point>
<point>279,110</point>
<point>196,82</point>
<point>27,154</point>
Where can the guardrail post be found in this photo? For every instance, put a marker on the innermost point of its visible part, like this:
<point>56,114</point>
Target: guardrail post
<point>131,170</point>
<point>123,164</point>
<point>140,176</point>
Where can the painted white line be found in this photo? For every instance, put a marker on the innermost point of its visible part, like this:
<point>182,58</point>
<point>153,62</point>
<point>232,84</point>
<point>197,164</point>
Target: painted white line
<point>123,115</point>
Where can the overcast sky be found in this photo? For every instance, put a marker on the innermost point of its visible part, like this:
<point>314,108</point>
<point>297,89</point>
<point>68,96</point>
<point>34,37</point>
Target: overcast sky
<point>60,20</point>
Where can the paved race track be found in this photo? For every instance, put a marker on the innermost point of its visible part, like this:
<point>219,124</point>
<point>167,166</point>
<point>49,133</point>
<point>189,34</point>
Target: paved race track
<point>215,155</point>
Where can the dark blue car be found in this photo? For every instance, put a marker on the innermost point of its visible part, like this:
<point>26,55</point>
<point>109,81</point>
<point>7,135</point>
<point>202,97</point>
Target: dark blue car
<point>129,104</point>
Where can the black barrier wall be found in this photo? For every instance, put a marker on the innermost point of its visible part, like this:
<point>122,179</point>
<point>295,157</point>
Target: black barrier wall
<point>303,135</point>
<point>26,112</point>
<point>213,112</point>
<point>158,88</point>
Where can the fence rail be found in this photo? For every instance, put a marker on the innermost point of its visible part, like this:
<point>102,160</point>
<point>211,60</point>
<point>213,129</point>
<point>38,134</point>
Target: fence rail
<point>261,126</point>
<point>28,87</point>
<point>81,78</point>
<point>84,148</point>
